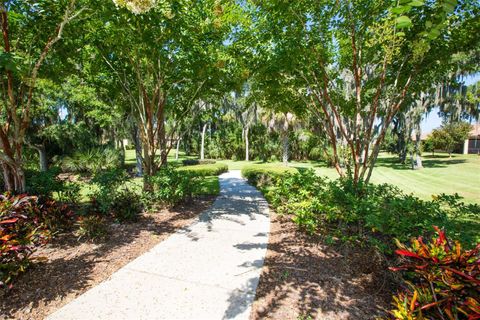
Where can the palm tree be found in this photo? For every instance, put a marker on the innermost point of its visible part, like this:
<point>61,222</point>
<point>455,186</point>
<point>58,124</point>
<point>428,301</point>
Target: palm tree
<point>281,122</point>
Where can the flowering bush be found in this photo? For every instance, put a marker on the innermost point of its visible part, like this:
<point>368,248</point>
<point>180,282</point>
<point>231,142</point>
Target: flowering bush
<point>445,280</point>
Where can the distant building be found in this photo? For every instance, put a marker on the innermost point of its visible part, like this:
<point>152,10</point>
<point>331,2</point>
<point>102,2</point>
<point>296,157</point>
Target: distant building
<point>423,136</point>
<point>472,144</point>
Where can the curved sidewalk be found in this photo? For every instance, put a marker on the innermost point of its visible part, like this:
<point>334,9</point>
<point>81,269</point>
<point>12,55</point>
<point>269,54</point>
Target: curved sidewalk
<point>209,270</point>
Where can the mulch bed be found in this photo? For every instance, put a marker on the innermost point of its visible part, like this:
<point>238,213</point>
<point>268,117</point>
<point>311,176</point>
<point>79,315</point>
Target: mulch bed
<point>75,266</point>
<point>303,278</point>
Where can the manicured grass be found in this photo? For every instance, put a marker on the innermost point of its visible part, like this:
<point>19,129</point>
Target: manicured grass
<point>460,174</point>
<point>208,186</point>
<point>131,160</point>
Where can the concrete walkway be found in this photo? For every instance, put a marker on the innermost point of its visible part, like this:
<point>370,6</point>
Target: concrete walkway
<point>209,270</point>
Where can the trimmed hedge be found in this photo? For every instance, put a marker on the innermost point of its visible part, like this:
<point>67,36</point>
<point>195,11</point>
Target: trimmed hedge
<point>262,175</point>
<point>203,170</point>
<point>193,162</point>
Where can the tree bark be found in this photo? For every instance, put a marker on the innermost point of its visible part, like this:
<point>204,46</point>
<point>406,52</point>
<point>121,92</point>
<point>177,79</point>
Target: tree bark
<point>202,147</point>
<point>177,149</point>
<point>122,152</point>
<point>138,151</point>
<point>285,147</point>
<point>247,146</point>
<point>42,154</point>
<point>418,160</point>
<point>8,182</point>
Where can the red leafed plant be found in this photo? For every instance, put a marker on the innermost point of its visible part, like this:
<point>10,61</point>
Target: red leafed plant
<point>445,280</point>
<point>25,223</point>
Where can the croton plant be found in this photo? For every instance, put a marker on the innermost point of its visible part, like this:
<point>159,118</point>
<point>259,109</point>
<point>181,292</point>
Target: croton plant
<point>445,280</point>
<point>26,222</point>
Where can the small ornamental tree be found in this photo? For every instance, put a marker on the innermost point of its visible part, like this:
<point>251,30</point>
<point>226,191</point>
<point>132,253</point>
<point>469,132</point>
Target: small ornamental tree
<point>449,136</point>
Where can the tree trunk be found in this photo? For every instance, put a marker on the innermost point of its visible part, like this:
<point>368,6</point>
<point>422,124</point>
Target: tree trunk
<point>42,154</point>
<point>14,178</point>
<point>122,152</point>
<point>8,181</point>
<point>21,184</point>
<point>247,147</point>
<point>418,160</point>
<point>202,147</point>
<point>138,151</point>
<point>285,146</point>
<point>177,149</point>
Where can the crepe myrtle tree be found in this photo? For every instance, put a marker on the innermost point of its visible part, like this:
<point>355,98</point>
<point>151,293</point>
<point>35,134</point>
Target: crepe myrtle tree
<point>175,49</point>
<point>355,62</point>
<point>450,135</point>
<point>30,31</point>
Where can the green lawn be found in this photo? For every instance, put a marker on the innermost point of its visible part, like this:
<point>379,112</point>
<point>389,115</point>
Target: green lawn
<point>209,186</point>
<point>131,160</point>
<point>460,174</point>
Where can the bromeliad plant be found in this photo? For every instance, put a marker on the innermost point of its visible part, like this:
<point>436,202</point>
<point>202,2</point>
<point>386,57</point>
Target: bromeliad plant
<point>445,280</point>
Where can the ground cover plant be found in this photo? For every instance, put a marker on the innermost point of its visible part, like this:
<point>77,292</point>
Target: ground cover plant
<point>369,212</point>
<point>441,278</point>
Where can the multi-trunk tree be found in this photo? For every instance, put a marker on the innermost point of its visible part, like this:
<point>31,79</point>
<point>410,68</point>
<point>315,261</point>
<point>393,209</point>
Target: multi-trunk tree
<point>172,50</point>
<point>30,32</point>
<point>356,62</point>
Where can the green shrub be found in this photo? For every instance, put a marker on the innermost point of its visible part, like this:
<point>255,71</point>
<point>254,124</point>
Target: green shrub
<point>329,157</point>
<point>25,224</point>
<point>92,161</point>
<point>370,211</point>
<point>444,280</point>
<point>170,186</point>
<point>43,183</point>
<point>192,162</point>
<point>91,227</point>
<point>70,192</point>
<point>203,170</point>
<point>209,186</point>
<point>47,185</point>
<point>107,183</point>
<point>261,175</point>
<point>126,205</point>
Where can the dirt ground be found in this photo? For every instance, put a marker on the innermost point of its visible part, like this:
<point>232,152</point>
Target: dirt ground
<point>304,279</point>
<point>75,266</point>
